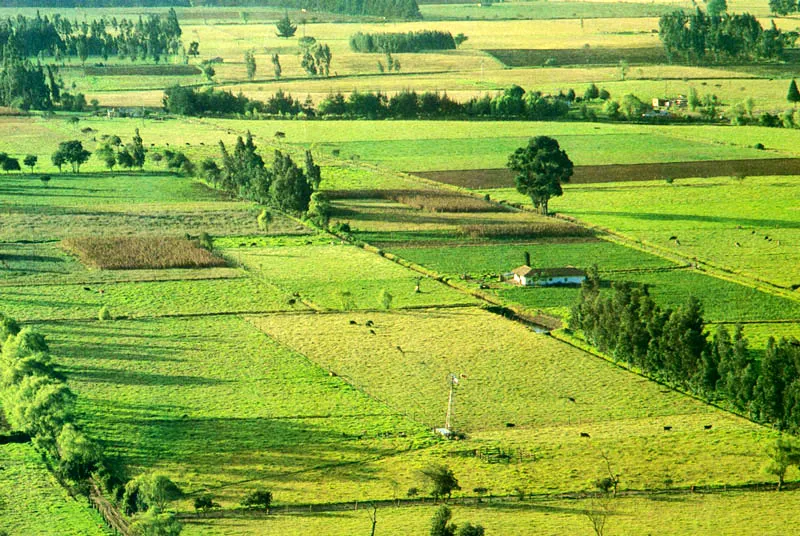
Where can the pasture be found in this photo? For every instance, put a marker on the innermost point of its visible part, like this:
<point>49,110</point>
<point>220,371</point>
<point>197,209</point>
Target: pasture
<point>33,502</point>
<point>731,514</point>
<point>223,409</point>
<point>508,374</point>
<point>343,277</point>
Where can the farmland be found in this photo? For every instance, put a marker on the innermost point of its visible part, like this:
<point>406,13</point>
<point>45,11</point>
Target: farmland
<point>235,352</point>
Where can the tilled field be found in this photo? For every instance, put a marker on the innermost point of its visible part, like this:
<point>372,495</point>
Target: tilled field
<point>504,178</point>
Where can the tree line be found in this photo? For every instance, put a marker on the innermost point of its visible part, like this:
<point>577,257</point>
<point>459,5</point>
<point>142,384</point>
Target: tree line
<point>151,37</point>
<point>699,37</point>
<point>402,42</point>
<point>671,345</point>
<point>514,102</point>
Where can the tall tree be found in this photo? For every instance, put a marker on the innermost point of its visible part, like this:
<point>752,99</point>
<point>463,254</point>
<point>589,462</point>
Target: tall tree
<point>137,150</point>
<point>285,27</point>
<point>276,66</point>
<point>250,64</point>
<point>30,161</point>
<point>541,167</point>
<point>793,95</point>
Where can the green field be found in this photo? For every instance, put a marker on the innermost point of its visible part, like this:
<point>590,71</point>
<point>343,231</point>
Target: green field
<point>499,259</point>
<point>321,274</point>
<point>222,408</point>
<point>33,502</point>
<point>709,218</point>
<point>731,514</point>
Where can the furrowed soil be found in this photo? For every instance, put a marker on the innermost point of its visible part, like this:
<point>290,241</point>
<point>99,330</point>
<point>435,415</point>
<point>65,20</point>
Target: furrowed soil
<point>504,178</point>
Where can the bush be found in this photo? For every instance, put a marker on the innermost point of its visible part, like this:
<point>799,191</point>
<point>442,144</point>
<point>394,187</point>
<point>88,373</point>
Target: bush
<point>259,499</point>
<point>205,241</point>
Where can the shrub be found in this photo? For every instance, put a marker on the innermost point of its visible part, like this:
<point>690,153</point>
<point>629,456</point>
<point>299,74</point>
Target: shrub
<point>104,313</point>
<point>260,499</point>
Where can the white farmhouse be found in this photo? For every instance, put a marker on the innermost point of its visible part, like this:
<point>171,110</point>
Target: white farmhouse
<point>543,277</point>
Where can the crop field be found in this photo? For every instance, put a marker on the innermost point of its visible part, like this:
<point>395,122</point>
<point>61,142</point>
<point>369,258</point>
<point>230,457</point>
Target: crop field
<point>343,277</point>
<point>33,502</point>
<point>387,217</point>
<point>482,179</point>
<point>142,253</point>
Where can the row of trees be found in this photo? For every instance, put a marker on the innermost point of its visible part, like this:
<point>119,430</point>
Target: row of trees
<point>152,37</point>
<point>37,401</point>
<point>402,42</point>
<point>671,345</point>
<point>515,102</point>
<point>701,37</point>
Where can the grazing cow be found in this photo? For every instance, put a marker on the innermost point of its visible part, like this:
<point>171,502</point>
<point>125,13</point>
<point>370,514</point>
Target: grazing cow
<point>353,323</point>
<point>737,244</point>
<point>400,350</point>
<point>369,323</point>
<point>707,427</point>
<point>87,288</point>
<point>510,425</point>
<point>101,291</point>
<point>677,242</point>
<point>673,237</point>
<point>667,428</point>
<point>280,135</point>
<point>292,301</point>
<point>571,399</point>
<point>372,331</point>
<point>331,374</point>
<point>585,434</point>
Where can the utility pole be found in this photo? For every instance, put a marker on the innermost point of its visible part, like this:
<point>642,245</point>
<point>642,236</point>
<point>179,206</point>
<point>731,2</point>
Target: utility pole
<point>453,381</point>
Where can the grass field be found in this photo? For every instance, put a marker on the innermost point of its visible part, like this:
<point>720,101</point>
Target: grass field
<point>498,259</point>
<point>33,502</point>
<point>408,145</point>
<point>223,408</point>
<point>538,377</point>
<point>341,277</point>
<point>709,218</point>
<point>731,514</point>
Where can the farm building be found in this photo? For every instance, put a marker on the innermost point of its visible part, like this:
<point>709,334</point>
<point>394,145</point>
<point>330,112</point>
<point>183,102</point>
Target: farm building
<point>676,102</point>
<point>543,277</point>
